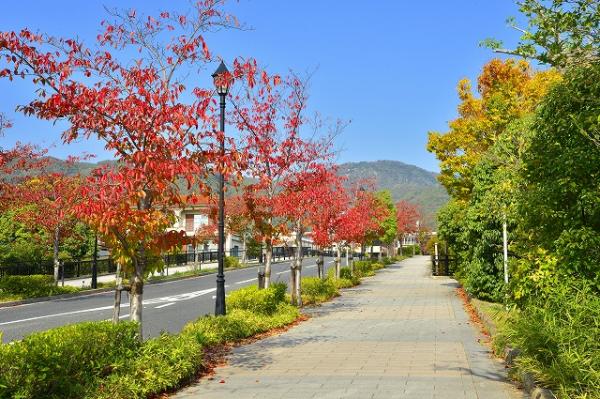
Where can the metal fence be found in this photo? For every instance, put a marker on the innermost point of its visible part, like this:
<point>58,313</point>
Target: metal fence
<point>443,264</point>
<point>73,268</point>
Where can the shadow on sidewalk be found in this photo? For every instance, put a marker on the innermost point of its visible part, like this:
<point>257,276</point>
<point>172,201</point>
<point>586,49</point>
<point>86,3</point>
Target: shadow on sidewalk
<point>340,304</point>
<point>258,356</point>
<point>492,376</point>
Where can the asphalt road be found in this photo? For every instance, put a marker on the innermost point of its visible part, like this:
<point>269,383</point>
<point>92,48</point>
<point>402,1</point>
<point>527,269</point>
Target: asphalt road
<point>168,305</point>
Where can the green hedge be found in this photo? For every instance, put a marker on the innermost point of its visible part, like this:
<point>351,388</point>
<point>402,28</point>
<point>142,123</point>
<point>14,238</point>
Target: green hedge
<point>255,300</point>
<point>161,363</point>
<point>22,287</point>
<point>364,268</point>
<point>232,262</point>
<point>315,290</point>
<point>66,362</point>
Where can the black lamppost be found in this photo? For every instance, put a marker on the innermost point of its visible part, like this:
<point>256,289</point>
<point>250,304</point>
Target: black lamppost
<point>221,79</point>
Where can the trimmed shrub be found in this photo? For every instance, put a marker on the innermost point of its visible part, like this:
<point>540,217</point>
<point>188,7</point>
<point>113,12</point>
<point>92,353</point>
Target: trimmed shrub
<point>379,266</point>
<point>162,363</point>
<point>315,290</point>
<point>263,301</point>
<point>239,324</point>
<point>65,362</point>
<point>22,287</point>
<point>232,262</point>
<point>363,268</point>
<point>387,261</point>
<point>346,273</point>
<point>346,279</point>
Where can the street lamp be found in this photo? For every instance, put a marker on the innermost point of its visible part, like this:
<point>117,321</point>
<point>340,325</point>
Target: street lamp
<point>221,79</point>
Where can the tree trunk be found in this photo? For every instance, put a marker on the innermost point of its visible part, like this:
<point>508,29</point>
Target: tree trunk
<point>351,266</point>
<point>244,256</point>
<point>320,265</point>
<point>296,270</point>
<point>118,291</point>
<point>55,255</point>
<point>268,260</point>
<point>338,260</point>
<point>137,292</point>
<point>347,258</point>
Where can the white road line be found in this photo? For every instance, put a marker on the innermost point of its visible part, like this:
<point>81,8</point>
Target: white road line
<point>247,281</point>
<point>214,297</point>
<point>47,316</point>
<point>165,305</point>
<point>173,298</point>
<point>283,272</point>
<point>120,317</point>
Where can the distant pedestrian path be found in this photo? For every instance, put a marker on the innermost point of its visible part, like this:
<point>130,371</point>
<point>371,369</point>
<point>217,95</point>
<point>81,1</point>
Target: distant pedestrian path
<point>401,334</point>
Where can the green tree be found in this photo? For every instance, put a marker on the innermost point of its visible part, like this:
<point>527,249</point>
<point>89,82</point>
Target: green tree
<point>560,202</point>
<point>559,32</point>
<point>21,243</point>
<point>389,224</point>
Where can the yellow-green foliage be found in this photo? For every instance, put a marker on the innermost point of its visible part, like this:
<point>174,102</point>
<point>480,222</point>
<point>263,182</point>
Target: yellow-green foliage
<point>363,268</point>
<point>559,339</point>
<point>22,287</point>
<point>315,290</point>
<point>255,300</point>
<point>65,362</point>
<point>379,266</point>
<point>232,262</point>
<point>162,363</point>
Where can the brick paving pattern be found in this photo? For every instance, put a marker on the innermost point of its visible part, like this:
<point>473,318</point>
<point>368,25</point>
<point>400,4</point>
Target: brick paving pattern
<point>400,334</point>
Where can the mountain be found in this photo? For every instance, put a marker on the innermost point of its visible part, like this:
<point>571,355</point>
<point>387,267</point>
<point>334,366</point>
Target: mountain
<point>405,182</point>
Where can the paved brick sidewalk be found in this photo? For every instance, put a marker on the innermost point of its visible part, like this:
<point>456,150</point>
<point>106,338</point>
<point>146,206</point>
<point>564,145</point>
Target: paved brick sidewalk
<point>401,334</point>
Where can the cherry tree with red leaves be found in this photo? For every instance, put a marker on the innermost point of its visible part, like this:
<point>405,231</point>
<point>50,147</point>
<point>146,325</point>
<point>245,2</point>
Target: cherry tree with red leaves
<point>270,115</point>
<point>47,202</point>
<point>361,221</point>
<point>160,130</point>
<point>303,195</point>
<point>330,204</point>
<point>16,164</point>
<point>239,221</point>
<point>407,216</point>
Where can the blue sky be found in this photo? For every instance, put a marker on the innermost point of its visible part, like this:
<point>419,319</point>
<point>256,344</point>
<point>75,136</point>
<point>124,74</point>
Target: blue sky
<point>389,66</point>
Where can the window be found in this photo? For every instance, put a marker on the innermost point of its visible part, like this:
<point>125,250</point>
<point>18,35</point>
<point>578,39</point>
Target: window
<point>199,221</point>
<point>195,221</point>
